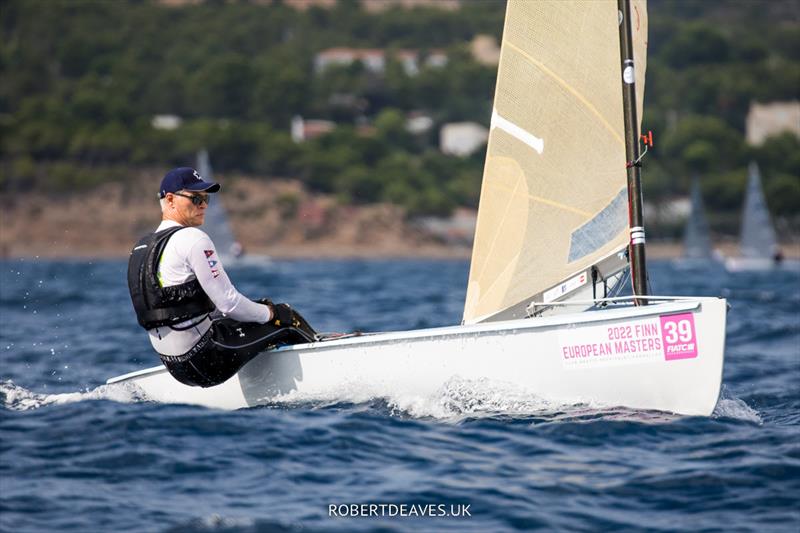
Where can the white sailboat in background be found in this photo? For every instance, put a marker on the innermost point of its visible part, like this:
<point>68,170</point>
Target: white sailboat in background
<point>698,251</point>
<point>216,223</point>
<point>218,227</point>
<point>553,232</point>
<point>758,245</point>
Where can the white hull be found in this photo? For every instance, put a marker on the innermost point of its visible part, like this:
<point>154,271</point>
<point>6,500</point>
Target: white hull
<point>559,359</point>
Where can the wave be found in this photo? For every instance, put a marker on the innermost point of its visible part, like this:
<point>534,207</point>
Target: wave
<point>18,398</point>
<point>462,399</point>
<point>469,398</point>
<point>216,522</point>
<point>457,400</point>
<point>731,407</point>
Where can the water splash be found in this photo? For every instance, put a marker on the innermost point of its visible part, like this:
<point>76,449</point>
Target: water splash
<point>460,398</point>
<point>216,522</point>
<point>456,399</point>
<point>19,398</point>
<point>729,406</point>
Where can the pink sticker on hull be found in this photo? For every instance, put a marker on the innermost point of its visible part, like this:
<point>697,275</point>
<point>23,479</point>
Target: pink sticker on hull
<point>678,335</point>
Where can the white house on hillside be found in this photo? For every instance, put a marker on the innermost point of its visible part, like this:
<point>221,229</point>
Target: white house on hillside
<point>765,120</point>
<point>303,130</point>
<point>375,59</point>
<point>166,122</point>
<point>462,138</point>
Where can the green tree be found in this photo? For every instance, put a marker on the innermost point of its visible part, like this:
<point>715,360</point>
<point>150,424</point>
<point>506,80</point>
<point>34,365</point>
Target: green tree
<point>701,143</point>
<point>221,87</point>
<point>696,43</point>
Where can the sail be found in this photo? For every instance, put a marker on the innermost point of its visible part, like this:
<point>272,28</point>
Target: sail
<point>554,194</point>
<point>697,242</point>
<point>216,223</point>
<point>758,234</point>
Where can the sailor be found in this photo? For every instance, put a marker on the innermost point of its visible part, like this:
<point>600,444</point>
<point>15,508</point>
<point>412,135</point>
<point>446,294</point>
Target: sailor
<point>203,329</point>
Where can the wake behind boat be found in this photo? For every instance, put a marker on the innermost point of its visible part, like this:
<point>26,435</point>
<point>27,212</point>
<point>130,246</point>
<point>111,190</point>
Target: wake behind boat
<point>559,224</point>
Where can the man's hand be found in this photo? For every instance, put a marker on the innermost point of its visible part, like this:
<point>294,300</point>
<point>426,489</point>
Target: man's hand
<point>282,315</point>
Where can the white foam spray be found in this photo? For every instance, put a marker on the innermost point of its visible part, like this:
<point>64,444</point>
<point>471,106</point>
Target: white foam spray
<point>729,406</point>
<point>21,399</point>
<point>458,398</point>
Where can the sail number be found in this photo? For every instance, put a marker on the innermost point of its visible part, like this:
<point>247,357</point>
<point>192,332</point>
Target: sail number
<point>680,331</point>
<point>679,336</point>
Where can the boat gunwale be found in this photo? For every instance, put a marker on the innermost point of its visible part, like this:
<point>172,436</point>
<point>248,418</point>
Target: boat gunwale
<point>667,304</point>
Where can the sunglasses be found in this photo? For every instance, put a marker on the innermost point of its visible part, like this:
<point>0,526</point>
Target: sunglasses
<point>196,199</point>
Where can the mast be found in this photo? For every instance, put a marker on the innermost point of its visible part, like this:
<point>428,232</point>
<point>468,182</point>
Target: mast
<point>635,218</point>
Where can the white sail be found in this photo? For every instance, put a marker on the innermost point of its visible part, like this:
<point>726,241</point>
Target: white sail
<point>697,242</point>
<point>216,223</point>
<point>758,233</point>
<point>554,196</point>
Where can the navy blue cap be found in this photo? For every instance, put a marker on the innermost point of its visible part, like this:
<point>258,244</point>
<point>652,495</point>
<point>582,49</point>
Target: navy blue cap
<point>185,179</point>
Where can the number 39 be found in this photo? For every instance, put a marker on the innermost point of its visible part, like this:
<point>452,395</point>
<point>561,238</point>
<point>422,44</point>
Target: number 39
<point>681,330</point>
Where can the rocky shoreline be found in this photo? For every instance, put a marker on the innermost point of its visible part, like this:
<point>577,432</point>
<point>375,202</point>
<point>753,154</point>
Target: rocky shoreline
<point>276,218</point>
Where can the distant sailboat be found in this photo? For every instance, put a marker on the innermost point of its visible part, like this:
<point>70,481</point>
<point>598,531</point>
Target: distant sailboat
<point>758,247</point>
<point>698,251</point>
<point>216,223</point>
<point>698,240</point>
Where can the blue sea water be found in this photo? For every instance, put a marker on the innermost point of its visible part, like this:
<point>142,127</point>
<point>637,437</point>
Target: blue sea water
<point>77,455</point>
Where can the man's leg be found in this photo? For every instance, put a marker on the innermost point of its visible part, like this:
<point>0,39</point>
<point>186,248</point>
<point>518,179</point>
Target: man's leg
<point>228,346</point>
<point>184,368</point>
<point>236,343</point>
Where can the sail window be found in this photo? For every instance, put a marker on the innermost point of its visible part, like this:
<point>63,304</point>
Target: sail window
<point>601,229</point>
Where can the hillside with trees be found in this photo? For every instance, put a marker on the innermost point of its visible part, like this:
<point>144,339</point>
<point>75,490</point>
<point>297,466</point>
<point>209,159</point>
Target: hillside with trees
<point>82,81</point>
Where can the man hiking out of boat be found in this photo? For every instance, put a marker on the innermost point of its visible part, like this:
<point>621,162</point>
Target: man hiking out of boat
<point>203,329</point>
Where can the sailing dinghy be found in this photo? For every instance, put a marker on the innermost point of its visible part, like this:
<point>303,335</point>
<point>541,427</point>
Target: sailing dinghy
<point>698,252</point>
<point>218,227</point>
<point>559,224</point>
<point>216,221</point>
<point>758,247</point>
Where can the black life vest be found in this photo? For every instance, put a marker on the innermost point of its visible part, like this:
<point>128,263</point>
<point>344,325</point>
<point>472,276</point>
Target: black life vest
<point>158,306</point>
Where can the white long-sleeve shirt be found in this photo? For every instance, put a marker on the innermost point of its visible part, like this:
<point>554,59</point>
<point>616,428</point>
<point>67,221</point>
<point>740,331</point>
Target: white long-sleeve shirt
<point>190,254</point>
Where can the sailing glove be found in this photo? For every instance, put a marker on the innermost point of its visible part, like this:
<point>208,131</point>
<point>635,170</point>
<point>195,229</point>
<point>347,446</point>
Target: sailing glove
<point>283,315</point>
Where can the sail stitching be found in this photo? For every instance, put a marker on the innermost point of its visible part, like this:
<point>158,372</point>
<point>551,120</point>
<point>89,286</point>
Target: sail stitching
<point>497,232</point>
<point>497,278</point>
<point>551,203</point>
<point>568,87</point>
